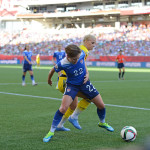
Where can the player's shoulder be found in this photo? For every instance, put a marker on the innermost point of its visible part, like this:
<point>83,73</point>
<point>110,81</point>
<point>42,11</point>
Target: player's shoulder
<point>62,51</point>
<point>25,52</point>
<point>82,54</point>
<point>56,52</point>
<point>64,62</point>
<point>82,47</point>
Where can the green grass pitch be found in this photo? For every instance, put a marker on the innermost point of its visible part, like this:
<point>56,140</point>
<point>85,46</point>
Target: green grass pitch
<point>26,113</point>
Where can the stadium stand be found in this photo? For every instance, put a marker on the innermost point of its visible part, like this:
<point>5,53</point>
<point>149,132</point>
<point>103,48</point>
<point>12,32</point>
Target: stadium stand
<point>116,25</point>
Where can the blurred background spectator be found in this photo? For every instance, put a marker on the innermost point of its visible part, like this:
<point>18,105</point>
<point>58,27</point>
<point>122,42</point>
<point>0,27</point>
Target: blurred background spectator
<point>134,40</point>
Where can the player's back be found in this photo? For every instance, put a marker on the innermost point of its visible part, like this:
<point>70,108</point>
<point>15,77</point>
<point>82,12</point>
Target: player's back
<point>75,72</point>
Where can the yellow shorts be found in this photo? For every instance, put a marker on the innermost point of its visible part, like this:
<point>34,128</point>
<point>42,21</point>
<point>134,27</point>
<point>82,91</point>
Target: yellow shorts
<point>61,83</point>
<point>63,72</point>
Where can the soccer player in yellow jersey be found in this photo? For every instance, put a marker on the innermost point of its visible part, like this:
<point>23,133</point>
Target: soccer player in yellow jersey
<point>89,42</point>
<point>38,60</point>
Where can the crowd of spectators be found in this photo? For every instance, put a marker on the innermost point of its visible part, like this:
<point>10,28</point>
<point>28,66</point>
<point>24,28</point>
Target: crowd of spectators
<point>133,40</point>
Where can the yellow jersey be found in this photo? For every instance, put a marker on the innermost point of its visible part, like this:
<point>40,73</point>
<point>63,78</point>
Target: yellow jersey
<point>82,47</point>
<point>37,57</point>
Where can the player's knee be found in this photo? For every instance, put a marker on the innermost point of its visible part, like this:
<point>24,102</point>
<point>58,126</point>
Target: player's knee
<point>63,109</point>
<point>101,106</point>
<point>73,107</point>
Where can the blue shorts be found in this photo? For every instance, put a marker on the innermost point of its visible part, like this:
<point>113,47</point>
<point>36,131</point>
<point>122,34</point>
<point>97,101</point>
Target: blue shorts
<point>120,65</point>
<point>27,67</point>
<point>87,89</point>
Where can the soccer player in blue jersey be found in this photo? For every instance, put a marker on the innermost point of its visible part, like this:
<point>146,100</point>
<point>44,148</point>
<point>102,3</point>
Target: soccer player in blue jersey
<point>77,81</point>
<point>27,65</point>
<point>58,55</point>
<point>73,112</point>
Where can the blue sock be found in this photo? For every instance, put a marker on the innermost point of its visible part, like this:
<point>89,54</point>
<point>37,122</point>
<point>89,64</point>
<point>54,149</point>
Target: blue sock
<point>23,78</point>
<point>57,118</point>
<point>101,114</point>
<point>32,78</point>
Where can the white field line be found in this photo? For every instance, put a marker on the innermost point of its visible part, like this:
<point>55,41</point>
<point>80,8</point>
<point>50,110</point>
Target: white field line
<point>21,83</point>
<point>30,96</point>
<point>92,81</point>
<point>52,98</point>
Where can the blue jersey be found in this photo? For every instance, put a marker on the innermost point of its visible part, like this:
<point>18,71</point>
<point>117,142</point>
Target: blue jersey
<point>28,54</point>
<point>59,55</point>
<point>75,72</point>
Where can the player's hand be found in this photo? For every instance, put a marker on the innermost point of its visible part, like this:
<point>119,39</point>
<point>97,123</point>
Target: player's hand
<point>86,78</point>
<point>50,82</point>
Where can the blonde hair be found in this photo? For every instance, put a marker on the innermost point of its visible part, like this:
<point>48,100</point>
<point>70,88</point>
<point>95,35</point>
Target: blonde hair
<point>88,37</point>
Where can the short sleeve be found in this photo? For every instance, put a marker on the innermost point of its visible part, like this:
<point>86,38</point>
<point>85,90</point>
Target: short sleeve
<point>24,54</point>
<point>58,67</point>
<point>54,55</point>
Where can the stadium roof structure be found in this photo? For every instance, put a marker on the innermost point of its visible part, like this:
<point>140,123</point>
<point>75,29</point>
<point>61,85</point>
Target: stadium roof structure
<point>45,2</point>
<point>24,10</point>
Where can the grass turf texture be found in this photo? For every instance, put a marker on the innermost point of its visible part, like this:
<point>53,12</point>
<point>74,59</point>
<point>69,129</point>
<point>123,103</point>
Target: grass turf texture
<point>25,120</point>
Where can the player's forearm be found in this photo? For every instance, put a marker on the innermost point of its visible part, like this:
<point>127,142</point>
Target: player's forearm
<point>53,61</point>
<point>87,73</point>
<point>51,73</point>
<point>25,57</point>
<point>86,69</point>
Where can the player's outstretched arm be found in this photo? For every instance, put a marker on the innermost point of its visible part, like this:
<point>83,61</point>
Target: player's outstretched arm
<point>50,76</point>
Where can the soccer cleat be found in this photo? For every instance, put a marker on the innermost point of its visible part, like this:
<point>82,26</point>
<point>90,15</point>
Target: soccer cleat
<point>48,137</point>
<point>23,84</point>
<point>75,123</point>
<point>106,126</point>
<point>62,129</point>
<point>34,84</point>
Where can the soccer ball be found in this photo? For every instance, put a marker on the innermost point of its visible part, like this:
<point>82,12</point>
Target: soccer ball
<point>128,133</point>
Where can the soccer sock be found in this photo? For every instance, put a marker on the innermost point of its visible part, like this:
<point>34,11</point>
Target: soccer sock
<point>57,82</point>
<point>123,74</point>
<point>68,112</point>
<point>23,78</point>
<point>57,118</point>
<point>101,114</point>
<point>82,105</point>
<point>65,117</point>
<point>32,78</point>
<point>119,74</point>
